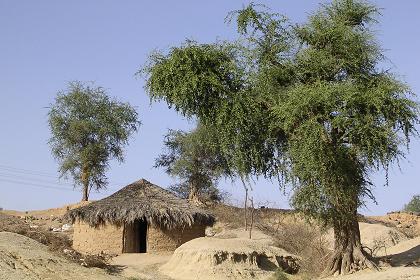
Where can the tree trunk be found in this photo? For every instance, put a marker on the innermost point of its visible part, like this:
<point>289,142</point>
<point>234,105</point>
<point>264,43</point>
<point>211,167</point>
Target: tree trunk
<point>85,193</point>
<point>252,217</point>
<point>193,195</point>
<point>85,181</point>
<point>348,256</point>
<point>245,209</point>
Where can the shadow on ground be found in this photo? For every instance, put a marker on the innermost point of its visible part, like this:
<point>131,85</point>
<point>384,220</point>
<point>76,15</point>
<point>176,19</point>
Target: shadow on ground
<point>410,257</point>
<point>115,269</point>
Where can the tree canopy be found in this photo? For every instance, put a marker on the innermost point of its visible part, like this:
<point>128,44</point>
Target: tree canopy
<point>195,160</point>
<point>88,130</point>
<point>413,205</point>
<point>308,104</point>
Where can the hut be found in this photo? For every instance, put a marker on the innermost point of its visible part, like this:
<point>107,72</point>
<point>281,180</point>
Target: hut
<point>139,218</point>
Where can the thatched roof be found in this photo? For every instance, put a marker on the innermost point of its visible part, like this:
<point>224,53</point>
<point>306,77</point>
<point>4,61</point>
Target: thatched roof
<point>142,200</point>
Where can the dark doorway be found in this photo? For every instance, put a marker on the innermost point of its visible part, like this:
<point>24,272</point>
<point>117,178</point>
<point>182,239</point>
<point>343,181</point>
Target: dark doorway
<point>135,237</point>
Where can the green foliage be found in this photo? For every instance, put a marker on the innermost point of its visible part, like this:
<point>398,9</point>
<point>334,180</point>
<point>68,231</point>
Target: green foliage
<point>308,104</point>
<point>413,205</point>
<point>192,77</point>
<point>279,275</point>
<point>195,159</point>
<point>266,33</point>
<point>88,129</point>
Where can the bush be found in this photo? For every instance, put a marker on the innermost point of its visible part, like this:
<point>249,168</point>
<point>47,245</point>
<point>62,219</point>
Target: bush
<point>304,240</point>
<point>413,205</point>
<point>279,275</point>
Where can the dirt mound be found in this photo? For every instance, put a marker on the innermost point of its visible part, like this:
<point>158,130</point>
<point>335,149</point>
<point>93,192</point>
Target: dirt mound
<point>25,258</point>
<point>228,258</point>
<point>55,241</point>
<point>11,223</point>
<point>409,223</point>
<point>46,219</point>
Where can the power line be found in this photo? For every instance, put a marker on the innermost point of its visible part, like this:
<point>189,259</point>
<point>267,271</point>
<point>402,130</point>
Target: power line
<point>19,176</point>
<point>29,184</point>
<point>34,185</point>
<point>26,171</point>
<point>40,174</point>
<point>13,176</point>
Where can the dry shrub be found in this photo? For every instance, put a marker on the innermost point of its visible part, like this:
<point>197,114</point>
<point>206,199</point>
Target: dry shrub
<point>304,240</point>
<point>378,245</point>
<point>288,229</point>
<point>231,216</point>
<point>98,261</point>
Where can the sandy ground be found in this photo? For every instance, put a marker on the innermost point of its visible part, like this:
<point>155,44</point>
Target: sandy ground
<point>22,258</point>
<point>142,266</point>
<point>395,273</point>
<point>196,259</point>
<point>148,266</point>
<point>406,253</point>
<point>405,259</point>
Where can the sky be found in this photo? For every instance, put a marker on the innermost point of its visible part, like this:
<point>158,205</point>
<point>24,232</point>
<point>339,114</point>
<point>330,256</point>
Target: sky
<point>47,43</point>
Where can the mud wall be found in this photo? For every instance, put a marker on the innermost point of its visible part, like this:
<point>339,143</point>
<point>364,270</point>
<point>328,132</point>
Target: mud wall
<point>91,240</point>
<point>162,240</point>
<point>109,238</point>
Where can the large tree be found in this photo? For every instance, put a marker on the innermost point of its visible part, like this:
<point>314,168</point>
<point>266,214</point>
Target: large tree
<point>88,130</point>
<point>194,158</point>
<point>306,103</point>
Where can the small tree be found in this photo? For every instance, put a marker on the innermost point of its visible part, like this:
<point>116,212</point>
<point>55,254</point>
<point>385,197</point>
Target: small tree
<point>88,130</point>
<point>413,205</point>
<point>194,159</point>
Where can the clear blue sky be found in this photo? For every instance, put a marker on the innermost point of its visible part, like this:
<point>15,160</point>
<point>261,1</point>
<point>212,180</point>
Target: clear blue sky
<point>44,44</point>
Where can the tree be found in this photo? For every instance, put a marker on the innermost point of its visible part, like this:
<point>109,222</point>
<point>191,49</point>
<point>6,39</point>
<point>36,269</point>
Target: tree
<point>413,205</point>
<point>308,104</point>
<point>194,159</point>
<point>88,130</point>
